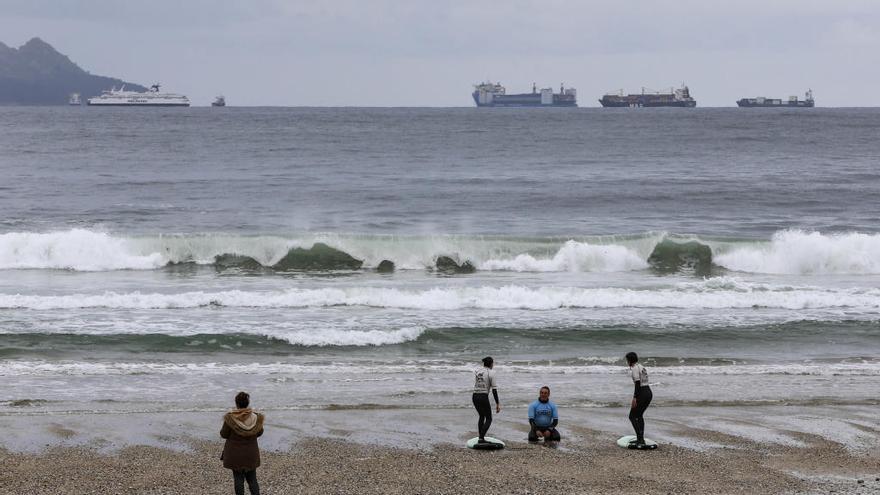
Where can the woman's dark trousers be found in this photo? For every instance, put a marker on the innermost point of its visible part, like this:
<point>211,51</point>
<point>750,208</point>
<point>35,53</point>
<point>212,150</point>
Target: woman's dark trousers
<point>251,476</point>
<point>636,414</point>
<point>484,409</point>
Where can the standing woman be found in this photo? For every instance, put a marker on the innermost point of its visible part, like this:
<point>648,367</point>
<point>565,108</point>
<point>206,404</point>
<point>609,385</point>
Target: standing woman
<point>241,454</point>
<point>641,399</point>
<point>484,381</point>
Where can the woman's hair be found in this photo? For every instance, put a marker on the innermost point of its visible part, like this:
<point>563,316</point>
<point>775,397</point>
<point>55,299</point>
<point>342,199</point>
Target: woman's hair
<point>632,357</point>
<point>242,400</point>
<point>487,361</point>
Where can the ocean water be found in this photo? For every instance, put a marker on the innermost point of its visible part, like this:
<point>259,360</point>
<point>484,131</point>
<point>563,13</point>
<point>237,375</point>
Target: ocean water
<point>156,258</point>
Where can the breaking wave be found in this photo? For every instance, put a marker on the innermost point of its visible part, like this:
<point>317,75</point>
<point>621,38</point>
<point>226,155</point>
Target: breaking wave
<point>715,293</point>
<point>787,252</point>
<point>795,252</point>
<point>574,257</point>
<point>80,250</point>
<point>54,368</point>
<point>85,250</point>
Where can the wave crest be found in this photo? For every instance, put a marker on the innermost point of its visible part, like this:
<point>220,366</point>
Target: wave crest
<point>77,249</point>
<point>718,293</point>
<point>790,252</point>
<point>574,256</point>
<point>795,252</point>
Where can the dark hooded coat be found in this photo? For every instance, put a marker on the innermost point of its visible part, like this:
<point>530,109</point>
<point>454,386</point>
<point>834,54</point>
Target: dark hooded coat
<point>241,427</point>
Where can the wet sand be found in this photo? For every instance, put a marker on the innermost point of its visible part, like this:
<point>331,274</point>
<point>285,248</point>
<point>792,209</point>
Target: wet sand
<point>344,452</point>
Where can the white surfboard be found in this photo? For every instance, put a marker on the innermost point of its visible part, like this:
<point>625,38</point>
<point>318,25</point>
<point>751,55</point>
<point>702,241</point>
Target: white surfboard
<point>625,440</point>
<point>494,444</point>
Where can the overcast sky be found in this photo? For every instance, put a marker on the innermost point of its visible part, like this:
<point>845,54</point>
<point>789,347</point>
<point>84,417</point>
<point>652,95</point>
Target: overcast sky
<point>431,52</point>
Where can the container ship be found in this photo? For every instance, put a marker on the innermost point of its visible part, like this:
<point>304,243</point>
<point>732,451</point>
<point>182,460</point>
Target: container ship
<point>151,98</point>
<point>489,94</point>
<point>674,98</point>
<point>793,102</point>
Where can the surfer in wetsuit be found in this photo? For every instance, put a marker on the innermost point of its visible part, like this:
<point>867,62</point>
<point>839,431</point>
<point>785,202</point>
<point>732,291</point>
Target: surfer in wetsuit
<point>641,399</point>
<point>543,418</point>
<point>484,381</point>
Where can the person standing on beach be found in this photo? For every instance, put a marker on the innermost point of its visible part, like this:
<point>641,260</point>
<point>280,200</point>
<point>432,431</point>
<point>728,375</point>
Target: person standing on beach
<point>484,382</point>
<point>543,418</point>
<point>641,399</point>
<point>241,453</point>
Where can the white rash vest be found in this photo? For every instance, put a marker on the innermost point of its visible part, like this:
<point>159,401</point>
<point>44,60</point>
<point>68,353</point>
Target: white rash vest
<point>484,381</point>
<point>639,374</point>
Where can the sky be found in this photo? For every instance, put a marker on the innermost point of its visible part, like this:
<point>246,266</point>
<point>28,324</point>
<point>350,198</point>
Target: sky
<point>432,52</point>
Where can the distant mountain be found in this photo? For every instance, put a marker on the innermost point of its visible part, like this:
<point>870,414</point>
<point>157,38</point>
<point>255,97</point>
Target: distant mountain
<point>36,74</point>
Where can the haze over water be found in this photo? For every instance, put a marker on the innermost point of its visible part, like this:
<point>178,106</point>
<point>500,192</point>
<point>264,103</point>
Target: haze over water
<point>112,295</point>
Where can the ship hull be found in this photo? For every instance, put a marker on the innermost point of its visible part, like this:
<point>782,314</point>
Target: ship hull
<point>123,104</point>
<point>638,102</point>
<point>744,103</point>
<point>526,100</point>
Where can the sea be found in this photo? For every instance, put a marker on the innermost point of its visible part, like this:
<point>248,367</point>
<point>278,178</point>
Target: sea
<point>164,259</point>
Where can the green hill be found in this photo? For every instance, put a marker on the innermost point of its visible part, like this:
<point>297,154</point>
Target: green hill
<point>36,74</point>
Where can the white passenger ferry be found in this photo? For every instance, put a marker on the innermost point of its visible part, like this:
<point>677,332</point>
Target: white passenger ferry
<point>151,98</point>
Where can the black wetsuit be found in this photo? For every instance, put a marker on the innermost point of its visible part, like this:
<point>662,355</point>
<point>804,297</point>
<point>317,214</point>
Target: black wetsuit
<point>636,414</point>
<point>643,398</point>
<point>484,382</point>
<point>554,433</point>
<point>484,409</point>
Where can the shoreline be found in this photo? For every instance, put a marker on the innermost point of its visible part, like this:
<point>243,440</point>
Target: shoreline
<point>333,466</point>
<point>709,450</point>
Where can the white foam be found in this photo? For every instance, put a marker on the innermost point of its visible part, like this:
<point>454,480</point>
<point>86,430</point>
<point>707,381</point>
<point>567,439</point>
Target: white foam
<point>797,252</point>
<point>788,252</point>
<point>86,250</point>
<point>574,257</point>
<point>333,337</point>
<point>49,368</point>
<point>720,293</point>
<point>77,249</point>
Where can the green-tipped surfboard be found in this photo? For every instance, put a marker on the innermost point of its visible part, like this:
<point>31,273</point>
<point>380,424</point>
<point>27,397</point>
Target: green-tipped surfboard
<point>491,444</point>
<point>625,443</point>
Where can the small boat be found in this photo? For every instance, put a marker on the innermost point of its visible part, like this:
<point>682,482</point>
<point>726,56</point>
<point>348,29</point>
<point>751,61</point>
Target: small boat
<point>74,99</point>
<point>220,101</point>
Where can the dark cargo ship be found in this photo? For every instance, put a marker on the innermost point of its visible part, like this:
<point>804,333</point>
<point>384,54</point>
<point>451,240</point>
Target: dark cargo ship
<point>490,94</point>
<point>674,98</point>
<point>792,102</point>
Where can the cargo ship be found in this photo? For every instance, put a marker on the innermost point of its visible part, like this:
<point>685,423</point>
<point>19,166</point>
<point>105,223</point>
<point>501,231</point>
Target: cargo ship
<point>674,98</point>
<point>793,102</point>
<point>489,94</point>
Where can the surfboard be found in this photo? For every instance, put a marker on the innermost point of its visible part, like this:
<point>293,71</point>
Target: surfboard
<point>625,440</point>
<point>494,444</point>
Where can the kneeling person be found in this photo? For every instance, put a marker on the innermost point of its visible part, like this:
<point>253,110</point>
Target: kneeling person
<point>543,418</point>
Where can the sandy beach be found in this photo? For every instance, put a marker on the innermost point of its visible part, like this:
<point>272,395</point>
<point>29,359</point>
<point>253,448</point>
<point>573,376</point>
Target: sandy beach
<point>344,452</point>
